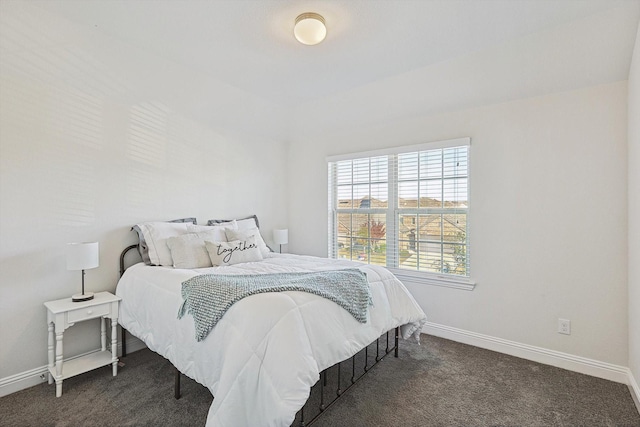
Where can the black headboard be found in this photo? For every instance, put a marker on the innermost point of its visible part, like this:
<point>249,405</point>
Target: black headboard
<point>122,256</point>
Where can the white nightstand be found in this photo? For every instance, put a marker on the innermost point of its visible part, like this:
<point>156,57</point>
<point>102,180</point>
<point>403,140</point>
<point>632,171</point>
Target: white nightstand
<point>63,313</point>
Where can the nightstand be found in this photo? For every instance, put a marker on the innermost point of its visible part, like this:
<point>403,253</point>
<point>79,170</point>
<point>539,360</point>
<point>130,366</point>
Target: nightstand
<point>63,313</point>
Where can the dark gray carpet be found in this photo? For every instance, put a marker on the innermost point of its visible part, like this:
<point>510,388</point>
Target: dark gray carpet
<point>440,383</point>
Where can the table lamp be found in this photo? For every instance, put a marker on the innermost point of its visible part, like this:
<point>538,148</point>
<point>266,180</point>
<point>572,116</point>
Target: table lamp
<point>82,256</point>
<point>281,237</point>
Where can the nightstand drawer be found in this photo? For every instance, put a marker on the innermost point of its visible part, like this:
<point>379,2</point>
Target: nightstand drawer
<point>88,313</point>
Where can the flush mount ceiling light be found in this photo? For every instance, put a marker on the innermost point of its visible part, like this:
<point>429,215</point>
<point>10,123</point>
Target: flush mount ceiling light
<point>310,28</point>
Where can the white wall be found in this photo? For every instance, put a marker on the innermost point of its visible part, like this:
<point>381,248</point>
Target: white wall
<point>634,217</point>
<point>96,136</point>
<point>549,215</point>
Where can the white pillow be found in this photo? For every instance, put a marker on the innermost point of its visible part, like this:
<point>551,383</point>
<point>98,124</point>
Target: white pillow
<point>244,234</point>
<point>156,235</point>
<point>229,253</point>
<point>189,250</point>
<point>246,224</point>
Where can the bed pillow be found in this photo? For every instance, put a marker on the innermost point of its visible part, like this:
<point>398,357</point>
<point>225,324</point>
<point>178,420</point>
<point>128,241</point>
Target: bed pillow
<point>245,234</point>
<point>247,223</point>
<point>229,253</point>
<point>243,223</point>
<point>189,250</point>
<point>221,226</point>
<point>152,238</point>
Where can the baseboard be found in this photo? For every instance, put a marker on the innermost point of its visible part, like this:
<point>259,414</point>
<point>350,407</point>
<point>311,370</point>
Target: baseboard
<point>22,380</point>
<point>635,390</point>
<point>558,359</point>
<point>32,377</point>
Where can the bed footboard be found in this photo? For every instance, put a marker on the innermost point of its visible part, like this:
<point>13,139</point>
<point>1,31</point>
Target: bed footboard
<point>337,379</point>
<point>321,396</point>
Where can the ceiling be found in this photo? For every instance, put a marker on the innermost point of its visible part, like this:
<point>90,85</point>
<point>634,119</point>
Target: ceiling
<point>250,45</point>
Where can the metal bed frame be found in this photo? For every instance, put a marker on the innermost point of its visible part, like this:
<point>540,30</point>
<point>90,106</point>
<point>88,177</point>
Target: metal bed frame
<point>307,416</point>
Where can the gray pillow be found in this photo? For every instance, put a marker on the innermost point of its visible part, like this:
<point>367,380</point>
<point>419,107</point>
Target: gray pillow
<point>219,221</point>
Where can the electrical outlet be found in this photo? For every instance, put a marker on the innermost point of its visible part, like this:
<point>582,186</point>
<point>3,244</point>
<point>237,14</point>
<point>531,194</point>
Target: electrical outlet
<point>564,326</point>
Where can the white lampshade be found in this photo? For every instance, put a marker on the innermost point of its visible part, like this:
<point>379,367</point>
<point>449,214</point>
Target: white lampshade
<point>281,237</point>
<point>82,256</point>
<point>310,28</point>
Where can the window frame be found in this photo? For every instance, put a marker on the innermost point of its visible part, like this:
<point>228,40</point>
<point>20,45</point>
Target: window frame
<point>393,212</point>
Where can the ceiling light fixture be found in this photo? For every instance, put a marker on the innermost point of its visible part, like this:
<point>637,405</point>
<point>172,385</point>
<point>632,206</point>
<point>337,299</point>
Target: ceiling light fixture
<point>310,28</point>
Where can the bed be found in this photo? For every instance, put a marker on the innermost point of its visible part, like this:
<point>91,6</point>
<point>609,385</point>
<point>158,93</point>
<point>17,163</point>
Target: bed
<point>264,355</point>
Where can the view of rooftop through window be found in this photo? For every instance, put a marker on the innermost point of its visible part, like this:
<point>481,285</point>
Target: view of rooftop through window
<point>406,210</point>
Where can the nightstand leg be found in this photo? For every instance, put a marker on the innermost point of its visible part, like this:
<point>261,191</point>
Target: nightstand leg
<point>51,351</point>
<point>114,345</point>
<point>59,364</point>
<point>103,334</point>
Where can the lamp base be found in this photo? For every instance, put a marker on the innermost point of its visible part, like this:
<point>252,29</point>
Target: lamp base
<point>82,297</point>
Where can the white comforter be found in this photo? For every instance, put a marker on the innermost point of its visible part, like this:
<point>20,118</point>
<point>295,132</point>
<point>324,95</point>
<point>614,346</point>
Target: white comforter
<point>266,352</point>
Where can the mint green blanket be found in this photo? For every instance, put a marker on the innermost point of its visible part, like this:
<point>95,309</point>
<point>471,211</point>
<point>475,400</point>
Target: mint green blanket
<point>207,297</point>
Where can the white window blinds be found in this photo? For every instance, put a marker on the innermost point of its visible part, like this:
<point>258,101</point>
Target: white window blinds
<point>405,209</point>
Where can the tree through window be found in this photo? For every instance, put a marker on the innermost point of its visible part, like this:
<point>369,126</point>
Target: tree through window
<point>407,209</point>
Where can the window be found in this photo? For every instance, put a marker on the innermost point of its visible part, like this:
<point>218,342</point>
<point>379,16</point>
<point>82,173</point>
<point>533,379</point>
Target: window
<point>405,209</point>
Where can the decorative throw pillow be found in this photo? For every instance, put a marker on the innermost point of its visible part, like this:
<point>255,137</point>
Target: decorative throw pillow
<point>245,234</point>
<point>229,253</point>
<point>189,250</point>
<point>153,237</point>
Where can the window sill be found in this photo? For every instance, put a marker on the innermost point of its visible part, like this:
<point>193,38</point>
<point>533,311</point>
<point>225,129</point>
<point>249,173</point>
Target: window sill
<point>461,283</point>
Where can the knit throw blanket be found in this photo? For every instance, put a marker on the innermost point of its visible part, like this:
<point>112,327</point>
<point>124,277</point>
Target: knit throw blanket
<point>207,297</point>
